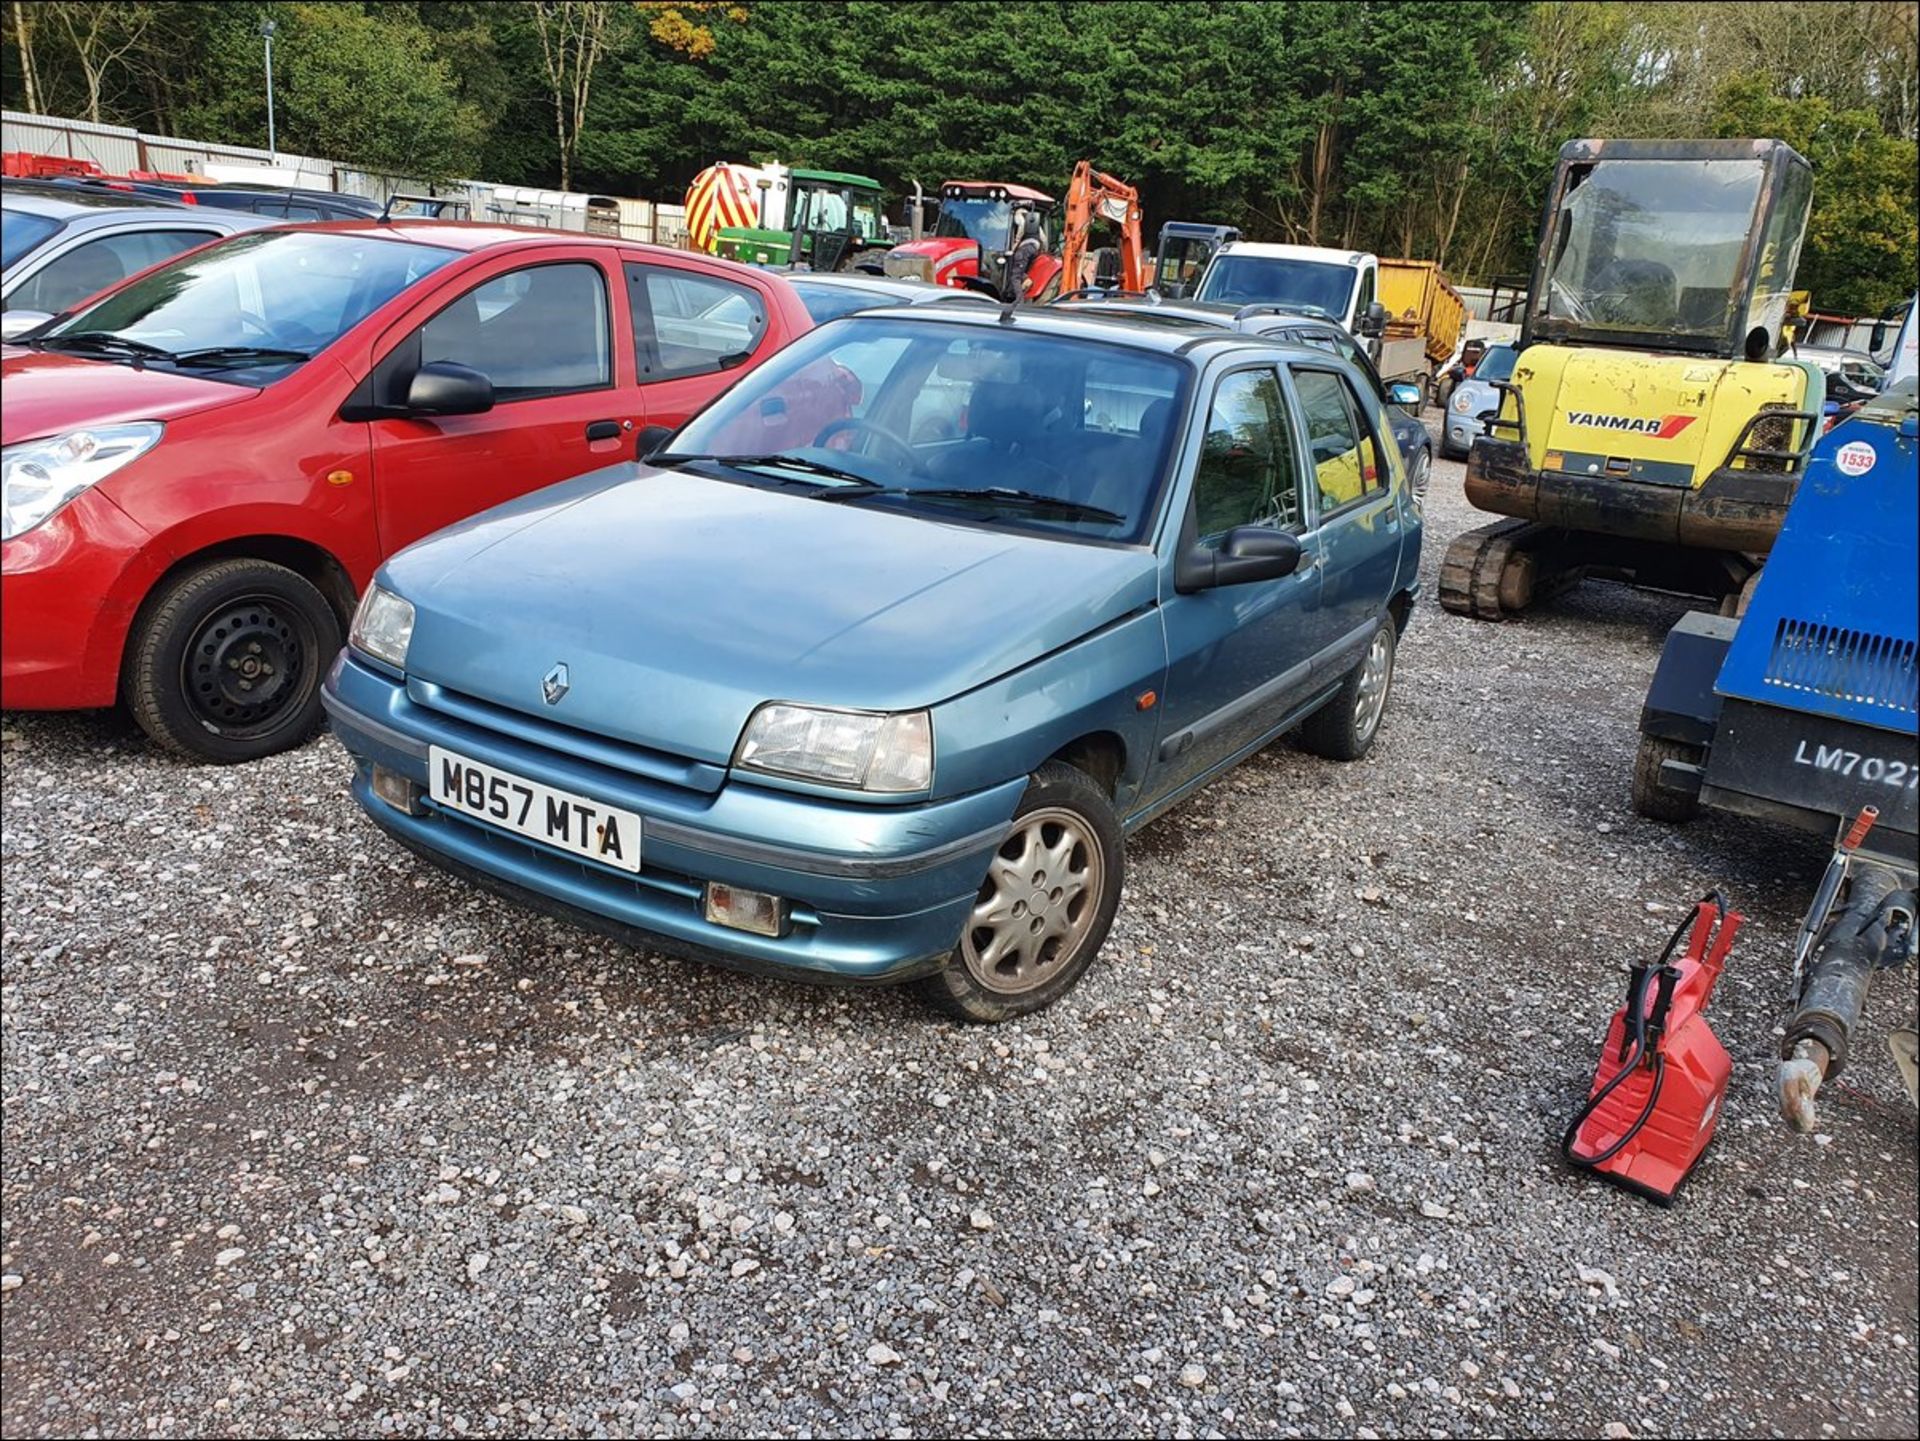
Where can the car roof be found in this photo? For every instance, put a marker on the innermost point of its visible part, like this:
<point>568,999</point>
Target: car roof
<point>1203,312</point>
<point>64,202</point>
<point>1269,250</point>
<point>477,235</point>
<point>910,292</point>
<point>1171,335</point>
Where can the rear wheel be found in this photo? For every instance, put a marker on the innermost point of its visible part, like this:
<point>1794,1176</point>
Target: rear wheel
<point>1652,796</point>
<point>1343,729</point>
<point>225,663</point>
<point>1044,906</point>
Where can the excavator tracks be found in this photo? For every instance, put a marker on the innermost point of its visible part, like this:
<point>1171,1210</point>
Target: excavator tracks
<point>1496,570</point>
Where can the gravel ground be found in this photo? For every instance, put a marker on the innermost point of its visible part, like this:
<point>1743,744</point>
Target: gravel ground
<point>301,1137</point>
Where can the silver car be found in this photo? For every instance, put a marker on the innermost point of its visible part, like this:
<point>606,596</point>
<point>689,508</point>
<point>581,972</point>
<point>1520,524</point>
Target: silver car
<point>60,244</point>
<point>1472,398</point>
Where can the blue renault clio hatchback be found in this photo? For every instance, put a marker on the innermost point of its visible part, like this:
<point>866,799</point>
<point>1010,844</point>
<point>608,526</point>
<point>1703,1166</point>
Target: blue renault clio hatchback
<point>881,698</point>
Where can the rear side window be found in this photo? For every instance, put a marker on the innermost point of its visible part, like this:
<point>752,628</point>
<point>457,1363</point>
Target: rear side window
<point>533,332</point>
<point>689,324</point>
<point>97,264</point>
<point>1346,459</point>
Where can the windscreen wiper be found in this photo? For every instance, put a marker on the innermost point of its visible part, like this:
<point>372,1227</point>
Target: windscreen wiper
<point>993,495</point>
<point>782,459</point>
<point>215,357</point>
<point>101,342</point>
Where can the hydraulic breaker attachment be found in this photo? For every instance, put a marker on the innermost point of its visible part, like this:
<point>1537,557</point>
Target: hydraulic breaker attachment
<point>1875,930</point>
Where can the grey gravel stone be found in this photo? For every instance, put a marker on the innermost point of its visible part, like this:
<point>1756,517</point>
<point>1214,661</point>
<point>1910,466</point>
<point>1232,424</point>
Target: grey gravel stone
<point>228,1000</point>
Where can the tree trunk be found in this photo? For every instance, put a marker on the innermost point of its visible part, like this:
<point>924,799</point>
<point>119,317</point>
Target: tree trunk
<point>23,42</point>
<point>1453,216</point>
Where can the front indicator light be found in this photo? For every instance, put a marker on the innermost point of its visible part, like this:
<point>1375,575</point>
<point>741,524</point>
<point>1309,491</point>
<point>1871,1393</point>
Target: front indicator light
<point>397,791</point>
<point>754,911</point>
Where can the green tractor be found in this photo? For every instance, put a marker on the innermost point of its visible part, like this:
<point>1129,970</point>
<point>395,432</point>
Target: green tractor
<point>821,219</point>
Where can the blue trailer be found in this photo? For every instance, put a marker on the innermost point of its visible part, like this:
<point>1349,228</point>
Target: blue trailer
<point>1803,710</point>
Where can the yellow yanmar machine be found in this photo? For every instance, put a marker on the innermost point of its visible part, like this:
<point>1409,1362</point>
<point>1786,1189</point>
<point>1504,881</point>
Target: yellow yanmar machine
<point>1651,431</point>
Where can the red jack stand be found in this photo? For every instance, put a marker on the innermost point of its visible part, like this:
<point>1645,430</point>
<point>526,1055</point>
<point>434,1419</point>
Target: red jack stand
<point>1656,1097</point>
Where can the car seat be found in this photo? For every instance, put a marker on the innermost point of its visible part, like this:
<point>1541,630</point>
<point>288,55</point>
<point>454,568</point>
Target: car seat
<point>1643,294</point>
<point>1115,471</point>
<point>79,273</point>
<point>1005,444</point>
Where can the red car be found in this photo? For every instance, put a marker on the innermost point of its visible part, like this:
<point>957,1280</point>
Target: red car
<point>204,466</point>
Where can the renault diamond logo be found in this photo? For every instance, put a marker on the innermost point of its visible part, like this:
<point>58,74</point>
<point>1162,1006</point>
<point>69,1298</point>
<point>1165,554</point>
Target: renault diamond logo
<point>556,684</point>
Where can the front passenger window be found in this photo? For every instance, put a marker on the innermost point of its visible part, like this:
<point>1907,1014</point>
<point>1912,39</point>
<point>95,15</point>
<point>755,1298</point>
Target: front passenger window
<point>539,331</point>
<point>1246,474</point>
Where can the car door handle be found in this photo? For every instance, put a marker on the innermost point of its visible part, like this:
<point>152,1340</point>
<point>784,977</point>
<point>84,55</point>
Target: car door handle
<point>603,430</point>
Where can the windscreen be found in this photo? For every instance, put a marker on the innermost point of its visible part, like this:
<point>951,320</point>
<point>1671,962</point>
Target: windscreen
<point>20,232</point>
<point>1652,245</point>
<point>983,425</point>
<point>986,221</point>
<point>1497,363</point>
<point>283,293</point>
<point>1313,286</point>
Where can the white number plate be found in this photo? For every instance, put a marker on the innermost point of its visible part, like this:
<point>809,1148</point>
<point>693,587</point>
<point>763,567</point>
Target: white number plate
<point>559,819</point>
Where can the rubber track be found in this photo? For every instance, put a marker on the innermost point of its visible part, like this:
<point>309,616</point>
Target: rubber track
<point>1470,572</point>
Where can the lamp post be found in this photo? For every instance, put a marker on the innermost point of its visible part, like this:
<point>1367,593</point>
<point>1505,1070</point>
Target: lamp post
<point>266,34</point>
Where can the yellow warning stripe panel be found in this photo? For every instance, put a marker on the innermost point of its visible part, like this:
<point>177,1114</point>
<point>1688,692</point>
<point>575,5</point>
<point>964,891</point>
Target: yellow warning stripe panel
<point>718,197</point>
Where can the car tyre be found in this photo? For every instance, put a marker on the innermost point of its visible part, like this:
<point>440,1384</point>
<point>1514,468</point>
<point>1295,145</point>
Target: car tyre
<point>1421,471</point>
<point>1345,727</point>
<point>1652,797</point>
<point>225,661</point>
<point>1034,932</point>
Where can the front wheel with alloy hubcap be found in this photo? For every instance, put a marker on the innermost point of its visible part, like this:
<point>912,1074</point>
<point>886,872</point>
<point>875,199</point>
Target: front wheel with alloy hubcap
<point>1420,472</point>
<point>225,662</point>
<point>1343,729</point>
<point>1044,906</point>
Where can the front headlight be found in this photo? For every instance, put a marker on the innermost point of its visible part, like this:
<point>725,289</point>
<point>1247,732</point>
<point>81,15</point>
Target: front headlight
<point>40,476</point>
<point>891,753</point>
<point>1461,402</point>
<point>383,627</point>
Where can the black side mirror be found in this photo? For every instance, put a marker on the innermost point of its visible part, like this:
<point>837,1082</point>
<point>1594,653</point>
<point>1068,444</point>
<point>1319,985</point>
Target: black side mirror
<point>650,439</point>
<point>444,387</point>
<point>1374,322</point>
<point>1248,553</point>
<point>1878,338</point>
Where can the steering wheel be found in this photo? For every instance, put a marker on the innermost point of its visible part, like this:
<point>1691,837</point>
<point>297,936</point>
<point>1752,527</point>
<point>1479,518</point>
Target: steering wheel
<point>290,333</point>
<point>899,453</point>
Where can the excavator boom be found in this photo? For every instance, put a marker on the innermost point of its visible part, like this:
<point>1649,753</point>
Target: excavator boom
<point>1095,195</point>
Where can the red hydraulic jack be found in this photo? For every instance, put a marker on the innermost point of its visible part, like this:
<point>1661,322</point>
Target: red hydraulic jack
<point>1656,1097</point>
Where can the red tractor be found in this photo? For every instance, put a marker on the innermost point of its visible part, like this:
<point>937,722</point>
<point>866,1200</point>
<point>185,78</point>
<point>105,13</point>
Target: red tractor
<point>990,237</point>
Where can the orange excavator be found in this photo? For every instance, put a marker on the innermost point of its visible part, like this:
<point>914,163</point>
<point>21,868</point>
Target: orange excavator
<point>1095,195</point>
